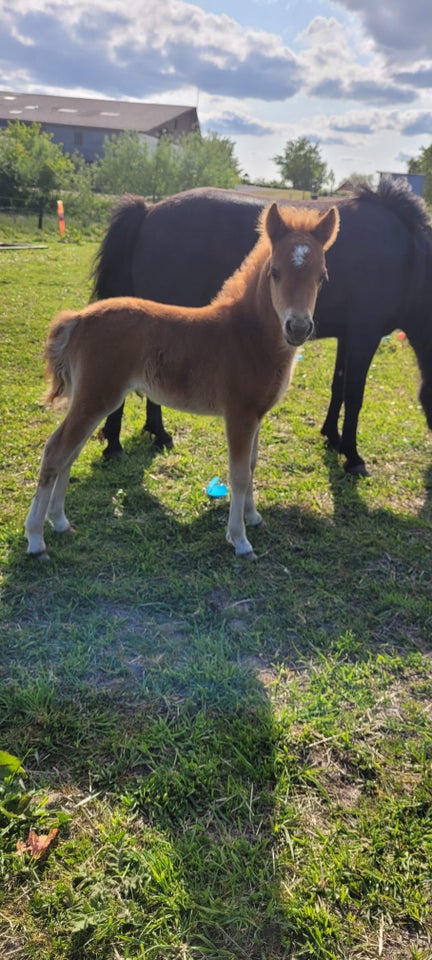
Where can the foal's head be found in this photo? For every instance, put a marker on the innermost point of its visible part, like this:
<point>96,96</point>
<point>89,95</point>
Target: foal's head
<point>297,264</point>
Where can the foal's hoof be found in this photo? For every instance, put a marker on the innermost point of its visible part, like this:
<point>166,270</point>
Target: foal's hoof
<point>246,554</point>
<point>40,555</point>
<point>243,550</point>
<point>255,520</point>
<point>251,556</point>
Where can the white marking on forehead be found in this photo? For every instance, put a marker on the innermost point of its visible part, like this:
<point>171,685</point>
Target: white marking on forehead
<point>299,254</point>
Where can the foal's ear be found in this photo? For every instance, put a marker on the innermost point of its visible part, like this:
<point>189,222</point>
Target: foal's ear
<point>275,226</point>
<point>327,227</point>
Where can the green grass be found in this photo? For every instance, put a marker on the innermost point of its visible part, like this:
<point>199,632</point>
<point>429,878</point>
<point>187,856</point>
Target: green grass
<point>237,756</point>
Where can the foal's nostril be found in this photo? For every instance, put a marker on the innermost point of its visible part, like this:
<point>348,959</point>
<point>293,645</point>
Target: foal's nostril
<point>299,329</point>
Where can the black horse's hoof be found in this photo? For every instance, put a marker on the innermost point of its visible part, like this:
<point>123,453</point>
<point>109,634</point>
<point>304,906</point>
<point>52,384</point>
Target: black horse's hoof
<point>112,452</point>
<point>332,440</point>
<point>163,441</point>
<point>356,470</point>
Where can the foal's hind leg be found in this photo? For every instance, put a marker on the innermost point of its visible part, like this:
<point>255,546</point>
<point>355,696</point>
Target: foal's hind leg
<point>242,437</point>
<point>36,516</point>
<point>61,449</point>
<point>55,512</point>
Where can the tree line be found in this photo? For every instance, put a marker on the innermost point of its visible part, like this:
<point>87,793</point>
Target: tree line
<point>34,170</point>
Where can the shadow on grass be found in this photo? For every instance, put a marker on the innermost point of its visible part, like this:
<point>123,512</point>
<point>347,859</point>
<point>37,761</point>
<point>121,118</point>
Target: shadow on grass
<point>133,565</point>
<point>138,668</point>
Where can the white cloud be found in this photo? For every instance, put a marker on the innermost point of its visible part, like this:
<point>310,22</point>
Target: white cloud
<point>360,82</point>
<point>145,49</point>
<point>231,123</point>
<point>401,29</point>
<point>333,63</point>
<point>420,75</point>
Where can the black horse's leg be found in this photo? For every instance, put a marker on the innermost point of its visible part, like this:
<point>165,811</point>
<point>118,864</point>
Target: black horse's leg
<point>330,428</point>
<point>420,339</point>
<point>358,359</point>
<point>155,426</point>
<point>111,432</point>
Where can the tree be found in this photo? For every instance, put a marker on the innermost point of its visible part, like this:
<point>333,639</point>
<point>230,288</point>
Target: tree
<point>302,164</point>
<point>207,162</point>
<point>130,164</point>
<point>32,167</point>
<point>126,165</point>
<point>423,164</point>
<point>165,169</point>
<point>356,181</point>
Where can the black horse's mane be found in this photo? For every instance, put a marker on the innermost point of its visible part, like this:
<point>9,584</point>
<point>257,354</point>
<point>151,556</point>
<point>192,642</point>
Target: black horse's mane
<point>397,195</point>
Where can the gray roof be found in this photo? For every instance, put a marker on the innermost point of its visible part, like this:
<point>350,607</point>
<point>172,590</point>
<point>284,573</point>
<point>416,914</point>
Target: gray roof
<point>80,112</point>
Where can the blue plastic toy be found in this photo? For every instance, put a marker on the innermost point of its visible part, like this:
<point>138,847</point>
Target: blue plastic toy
<point>216,489</point>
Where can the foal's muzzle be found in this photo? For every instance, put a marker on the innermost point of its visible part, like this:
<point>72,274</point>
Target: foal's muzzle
<point>298,329</point>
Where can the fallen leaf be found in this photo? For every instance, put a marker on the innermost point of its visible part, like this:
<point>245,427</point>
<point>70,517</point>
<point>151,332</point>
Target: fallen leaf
<point>36,844</point>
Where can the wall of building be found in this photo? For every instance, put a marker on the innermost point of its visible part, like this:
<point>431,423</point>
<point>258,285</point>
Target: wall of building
<point>85,140</point>
<point>89,141</point>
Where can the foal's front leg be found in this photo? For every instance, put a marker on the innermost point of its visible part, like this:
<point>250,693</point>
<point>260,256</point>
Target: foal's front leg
<point>242,438</point>
<point>250,512</point>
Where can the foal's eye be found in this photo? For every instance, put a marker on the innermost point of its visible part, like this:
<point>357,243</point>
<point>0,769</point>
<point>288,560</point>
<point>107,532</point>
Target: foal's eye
<point>275,273</point>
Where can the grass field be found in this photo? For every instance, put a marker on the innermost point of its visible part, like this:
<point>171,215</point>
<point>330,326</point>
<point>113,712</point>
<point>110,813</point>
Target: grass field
<point>236,756</point>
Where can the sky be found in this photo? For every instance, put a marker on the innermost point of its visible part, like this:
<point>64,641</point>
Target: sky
<point>353,76</point>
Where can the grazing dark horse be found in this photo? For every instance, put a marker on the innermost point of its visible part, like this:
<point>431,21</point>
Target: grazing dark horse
<point>182,249</point>
<point>233,358</point>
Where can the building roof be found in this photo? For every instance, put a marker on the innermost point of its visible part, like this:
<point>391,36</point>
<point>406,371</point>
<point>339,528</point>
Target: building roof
<point>108,114</point>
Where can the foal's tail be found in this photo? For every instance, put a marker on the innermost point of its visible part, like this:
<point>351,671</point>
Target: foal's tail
<point>56,355</point>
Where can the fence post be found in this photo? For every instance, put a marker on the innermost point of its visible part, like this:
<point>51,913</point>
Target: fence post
<point>61,219</point>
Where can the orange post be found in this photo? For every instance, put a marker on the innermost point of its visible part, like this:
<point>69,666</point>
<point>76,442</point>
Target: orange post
<point>61,219</point>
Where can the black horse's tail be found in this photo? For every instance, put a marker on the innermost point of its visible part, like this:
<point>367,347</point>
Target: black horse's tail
<point>111,271</point>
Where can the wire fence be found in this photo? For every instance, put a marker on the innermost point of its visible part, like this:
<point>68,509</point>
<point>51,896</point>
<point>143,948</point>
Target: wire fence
<point>82,214</point>
<point>16,205</point>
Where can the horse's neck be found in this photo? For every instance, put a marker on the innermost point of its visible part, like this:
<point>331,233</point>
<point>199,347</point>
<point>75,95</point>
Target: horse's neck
<point>243,283</point>
<point>256,298</point>
<point>248,291</point>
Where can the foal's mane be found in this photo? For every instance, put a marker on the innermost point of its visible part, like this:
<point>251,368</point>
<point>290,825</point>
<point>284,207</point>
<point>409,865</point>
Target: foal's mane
<point>300,219</point>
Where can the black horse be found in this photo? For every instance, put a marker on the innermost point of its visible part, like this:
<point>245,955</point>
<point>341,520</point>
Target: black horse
<point>182,249</point>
